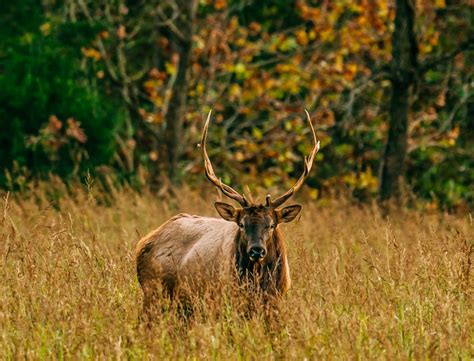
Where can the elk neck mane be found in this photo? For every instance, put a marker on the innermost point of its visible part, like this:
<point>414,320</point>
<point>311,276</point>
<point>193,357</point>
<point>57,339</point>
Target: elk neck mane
<point>273,274</point>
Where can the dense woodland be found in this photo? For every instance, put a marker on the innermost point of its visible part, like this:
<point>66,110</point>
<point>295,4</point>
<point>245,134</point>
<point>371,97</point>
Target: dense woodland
<point>118,90</point>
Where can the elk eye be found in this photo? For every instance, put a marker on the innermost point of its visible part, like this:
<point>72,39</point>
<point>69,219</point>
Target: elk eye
<point>241,225</point>
<point>272,226</point>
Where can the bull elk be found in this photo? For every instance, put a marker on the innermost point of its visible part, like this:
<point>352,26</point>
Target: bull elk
<point>247,242</point>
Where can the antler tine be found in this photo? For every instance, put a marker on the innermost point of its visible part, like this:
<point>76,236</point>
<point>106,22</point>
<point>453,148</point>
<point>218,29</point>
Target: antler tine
<point>308,163</point>
<point>227,190</point>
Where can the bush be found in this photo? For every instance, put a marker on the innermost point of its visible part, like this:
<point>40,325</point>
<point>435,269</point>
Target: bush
<point>41,78</point>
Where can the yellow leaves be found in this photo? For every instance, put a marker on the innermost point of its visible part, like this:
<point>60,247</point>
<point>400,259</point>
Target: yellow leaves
<point>313,193</point>
<point>170,68</point>
<point>45,29</point>
<point>257,133</point>
<point>291,84</point>
<point>355,8</point>
<point>288,44</point>
<point>440,4</point>
<point>151,87</point>
<point>268,182</point>
<point>252,90</point>
<point>235,91</point>
<point>283,68</point>
<point>290,79</point>
<point>362,180</point>
<point>239,156</point>
<point>157,100</point>
<point>350,71</point>
<point>327,35</point>
<point>91,53</point>
<point>239,69</point>
<point>338,64</point>
<point>368,180</point>
<point>233,24</point>
<point>241,42</point>
<point>200,88</point>
<point>302,37</point>
<point>453,136</point>
<point>431,40</point>
<point>383,9</point>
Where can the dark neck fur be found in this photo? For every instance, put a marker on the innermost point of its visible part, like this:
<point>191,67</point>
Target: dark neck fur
<point>271,276</point>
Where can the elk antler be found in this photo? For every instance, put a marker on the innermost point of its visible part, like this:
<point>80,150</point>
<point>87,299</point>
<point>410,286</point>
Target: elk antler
<point>227,190</point>
<point>308,163</point>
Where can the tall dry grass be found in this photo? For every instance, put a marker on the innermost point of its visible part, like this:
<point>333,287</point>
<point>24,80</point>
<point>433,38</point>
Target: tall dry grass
<point>364,287</point>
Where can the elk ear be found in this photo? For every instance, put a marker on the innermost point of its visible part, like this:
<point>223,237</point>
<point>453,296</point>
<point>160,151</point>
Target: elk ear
<point>289,213</point>
<point>226,211</point>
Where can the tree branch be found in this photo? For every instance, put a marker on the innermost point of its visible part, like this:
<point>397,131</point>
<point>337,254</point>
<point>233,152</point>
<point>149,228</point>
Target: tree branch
<point>431,63</point>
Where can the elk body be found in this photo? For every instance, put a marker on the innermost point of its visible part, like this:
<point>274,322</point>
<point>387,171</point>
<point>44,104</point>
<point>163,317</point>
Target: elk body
<point>188,251</point>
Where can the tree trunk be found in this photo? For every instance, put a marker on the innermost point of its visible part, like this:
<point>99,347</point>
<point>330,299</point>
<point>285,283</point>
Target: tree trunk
<point>403,75</point>
<point>181,44</point>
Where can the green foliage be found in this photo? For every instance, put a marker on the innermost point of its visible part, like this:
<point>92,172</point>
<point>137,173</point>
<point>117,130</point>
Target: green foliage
<point>41,77</point>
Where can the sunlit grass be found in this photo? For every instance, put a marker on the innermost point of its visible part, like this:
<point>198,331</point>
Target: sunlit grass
<point>363,286</point>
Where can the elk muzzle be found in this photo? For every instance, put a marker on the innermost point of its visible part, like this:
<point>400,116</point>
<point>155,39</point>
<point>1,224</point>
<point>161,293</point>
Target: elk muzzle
<point>257,253</point>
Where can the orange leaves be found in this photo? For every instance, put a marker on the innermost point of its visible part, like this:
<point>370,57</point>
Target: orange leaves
<point>75,131</point>
<point>302,37</point>
<point>350,71</point>
<point>45,29</point>
<point>430,41</point>
<point>121,32</point>
<point>441,99</point>
<point>220,4</point>
<point>255,27</point>
<point>152,86</point>
<point>55,135</point>
<point>308,12</point>
<point>91,53</point>
<point>54,124</point>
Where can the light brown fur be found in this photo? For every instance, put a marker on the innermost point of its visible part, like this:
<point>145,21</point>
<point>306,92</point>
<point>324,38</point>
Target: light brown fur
<point>191,250</point>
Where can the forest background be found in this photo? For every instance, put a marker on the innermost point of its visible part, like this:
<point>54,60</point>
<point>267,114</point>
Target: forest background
<point>118,90</point>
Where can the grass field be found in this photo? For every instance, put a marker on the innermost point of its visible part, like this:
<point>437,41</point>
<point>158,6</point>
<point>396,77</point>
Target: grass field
<point>364,287</point>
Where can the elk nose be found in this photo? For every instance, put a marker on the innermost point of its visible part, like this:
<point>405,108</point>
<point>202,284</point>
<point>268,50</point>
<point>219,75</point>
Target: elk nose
<point>256,253</point>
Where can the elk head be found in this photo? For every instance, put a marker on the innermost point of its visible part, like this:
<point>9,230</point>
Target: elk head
<point>257,222</point>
